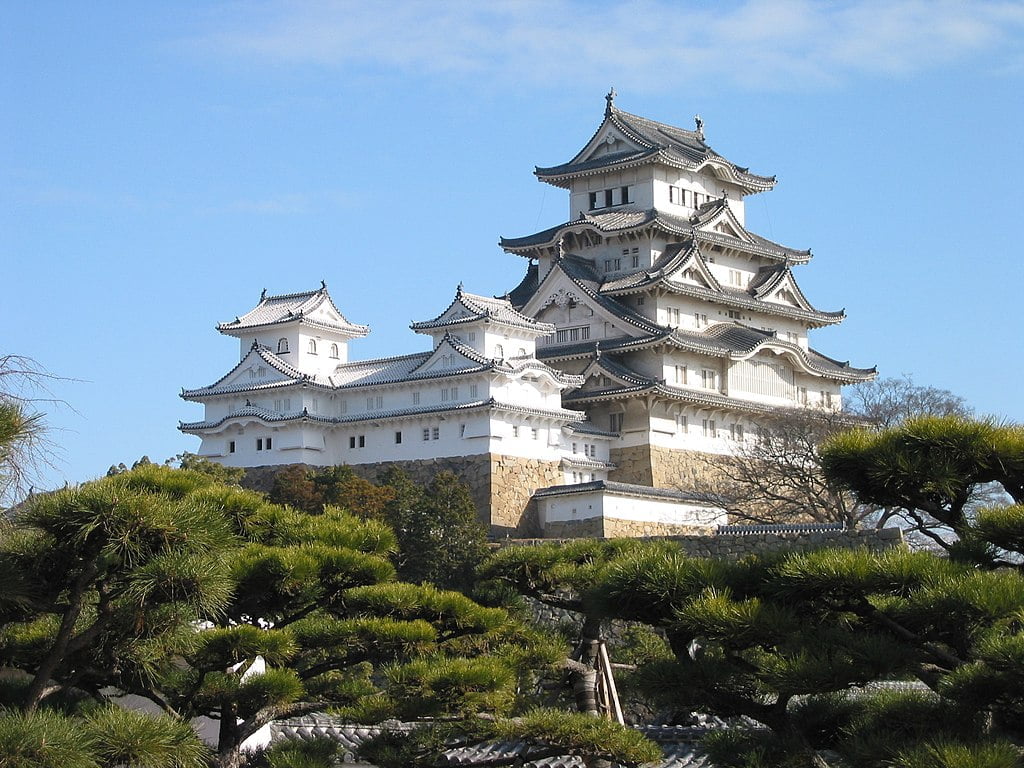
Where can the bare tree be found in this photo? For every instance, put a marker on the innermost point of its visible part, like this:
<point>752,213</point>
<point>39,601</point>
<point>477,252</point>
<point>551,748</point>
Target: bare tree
<point>25,449</point>
<point>777,478</point>
<point>891,401</point>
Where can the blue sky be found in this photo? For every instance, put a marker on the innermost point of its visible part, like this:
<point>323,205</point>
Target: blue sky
<point>162,163</point>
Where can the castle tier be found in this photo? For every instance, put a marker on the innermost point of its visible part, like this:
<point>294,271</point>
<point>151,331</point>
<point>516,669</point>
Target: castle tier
<point>686,327</point>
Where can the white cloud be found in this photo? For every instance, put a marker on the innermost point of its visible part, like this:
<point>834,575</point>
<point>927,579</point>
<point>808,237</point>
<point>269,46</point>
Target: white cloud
<point>751,43</point>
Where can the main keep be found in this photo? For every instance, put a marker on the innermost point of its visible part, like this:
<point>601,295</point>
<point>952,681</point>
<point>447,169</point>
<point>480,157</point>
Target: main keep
<point>651,329</point>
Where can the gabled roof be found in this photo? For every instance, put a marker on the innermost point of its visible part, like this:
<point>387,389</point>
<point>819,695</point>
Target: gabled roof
<point>680,257</point>
<point>468,308</point>
<point>257,354</point>
<point>584,278</point>
<point>310,307</point>
<point>625,221</point>
<point>648,141</point>
<point>392,370</point>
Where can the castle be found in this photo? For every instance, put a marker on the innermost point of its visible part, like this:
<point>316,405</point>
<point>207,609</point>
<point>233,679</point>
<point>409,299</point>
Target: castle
<point>651,328</point>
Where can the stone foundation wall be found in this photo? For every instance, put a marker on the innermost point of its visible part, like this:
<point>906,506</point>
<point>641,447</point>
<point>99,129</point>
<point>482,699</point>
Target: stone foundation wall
<point>501,486</point>
<point>591,528</point>
<point>663,467</point>
<point>632,465</point>
<point>618,528</point>
<point>513,481</point>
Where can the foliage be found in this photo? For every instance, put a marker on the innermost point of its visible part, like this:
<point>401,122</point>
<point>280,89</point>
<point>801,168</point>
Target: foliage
<point>441,539</point>
<point>25,449</point>
<point>805,646</point>
<point>219,472</point>
<point>932,468</point>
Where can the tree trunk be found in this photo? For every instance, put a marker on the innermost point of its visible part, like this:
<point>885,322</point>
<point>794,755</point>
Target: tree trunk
<point>52,661</point>
<point>584,674</point>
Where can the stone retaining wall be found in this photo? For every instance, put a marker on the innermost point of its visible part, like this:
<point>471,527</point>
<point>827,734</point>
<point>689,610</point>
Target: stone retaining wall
<point>663,467</point>
<point>611,528</point>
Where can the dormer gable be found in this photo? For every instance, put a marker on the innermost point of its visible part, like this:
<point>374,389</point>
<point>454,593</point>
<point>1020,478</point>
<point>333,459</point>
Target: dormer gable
<point>259,369</point>
<point>776,285</point>
<point>692,269</point>
<point>451,356</point>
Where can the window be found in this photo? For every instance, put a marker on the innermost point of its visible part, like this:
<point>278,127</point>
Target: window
<point>615,422</point>
<point>611,265</point>
<point>362,441</point>
<point>334,351</point>
<point>231,446</point>
<point>312,346</point>
<point>578,333</point>
<point>415,398</point>
<point>471,336</point>
<point>462,430</point>
<point>352,442</point>
<point>606,198</point>
<point>734,314</point>
<point>801,394</point>
<point>826,398</point>
<point>472,390</point>
<point>515,430</point>
<point>680,374</point>
<point>398,438</point>
<point>574,447</point>
<point>426,433</point>
<point>639,301</point>
<point>735,277</point>
<point>315,405</point>
<point>282,346</point>
<point>681,423</point>
<point>736,431</point>
<point>445,394</point>
<point>499,351</point>
<point>369,403</point>
<point>259,443</point>
<point>343,406</point>
<point>673,316</point>
<point>699,319</point>
<point>435,433</point>
<point>709,428</point>
<point>635,259</point>
<point>283,405</point>
<point>534,433</point>
<point>708,378</point>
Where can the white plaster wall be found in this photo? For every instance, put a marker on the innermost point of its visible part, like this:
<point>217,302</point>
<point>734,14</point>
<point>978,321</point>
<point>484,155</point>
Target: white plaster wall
<point>611,505</point>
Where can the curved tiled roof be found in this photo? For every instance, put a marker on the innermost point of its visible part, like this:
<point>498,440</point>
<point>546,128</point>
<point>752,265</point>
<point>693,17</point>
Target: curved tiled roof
<point>679,744</point>
<point>628,219</point>
<point>271,417</point>
<point>267,356</point>
<point>656,142</point>
<point>679,255</point>
<point>289,307</point>
<point>732,340</point>
<point>630,489</point>
<point>483,308</point>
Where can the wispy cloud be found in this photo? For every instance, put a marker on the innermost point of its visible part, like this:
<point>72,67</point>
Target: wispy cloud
<point>751,43</point>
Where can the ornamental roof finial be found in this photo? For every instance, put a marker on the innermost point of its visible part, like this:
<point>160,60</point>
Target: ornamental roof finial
<point>699,122</point>
<point>610,98</point>
<point>323,285</point>
<point>560,248</point>
<point>263,294</point>
<point>458,290</point>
